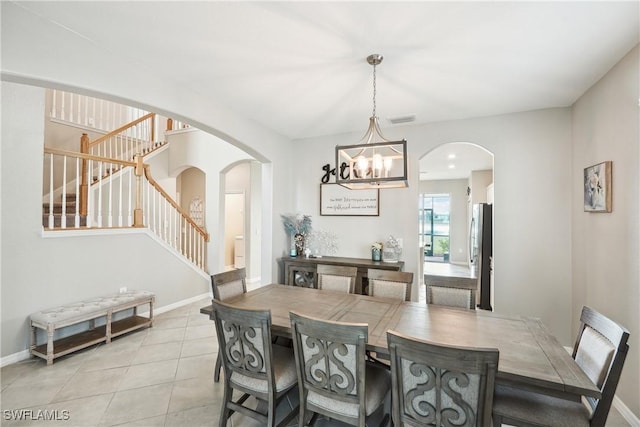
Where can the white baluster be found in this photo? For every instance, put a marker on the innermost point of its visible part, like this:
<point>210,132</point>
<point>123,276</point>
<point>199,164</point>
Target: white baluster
<point>63,220</point>
<point>120,199</point>
<point>85,110</point>
<point>77,216</point>
<point>90,195</point>
<point>130,207</point>
<point>93,113</point>
<point>51,217</point>
<point>53,103</point>
<point>62,107</point>
<point>99,194</point>
<point>71,107</point>
<point>101,112</point>
<point>110,208</point>
<point>79,110</point>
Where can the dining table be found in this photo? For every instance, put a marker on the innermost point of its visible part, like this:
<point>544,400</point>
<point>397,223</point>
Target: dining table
<point>531,358</point>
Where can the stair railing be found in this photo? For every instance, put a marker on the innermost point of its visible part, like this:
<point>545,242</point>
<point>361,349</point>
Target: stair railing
<point>118,194</point>
<point>171,223</point>
<point>124,142</point>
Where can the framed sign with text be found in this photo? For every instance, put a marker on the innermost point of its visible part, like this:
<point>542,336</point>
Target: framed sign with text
<point>338,200</point>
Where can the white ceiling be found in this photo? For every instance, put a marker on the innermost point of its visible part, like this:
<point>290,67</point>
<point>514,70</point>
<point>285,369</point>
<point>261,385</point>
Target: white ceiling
<point>299,68</point>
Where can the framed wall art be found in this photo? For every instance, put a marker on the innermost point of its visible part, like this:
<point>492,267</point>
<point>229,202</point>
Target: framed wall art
<point>597,187</point>
<point>338,200</point>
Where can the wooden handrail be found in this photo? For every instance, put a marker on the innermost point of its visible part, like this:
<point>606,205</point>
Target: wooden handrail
<point>182,212</point>
<point>120,129</point>
<point>87,156</point>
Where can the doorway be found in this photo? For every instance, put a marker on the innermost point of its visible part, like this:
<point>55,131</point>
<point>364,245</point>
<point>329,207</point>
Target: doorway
<point>234,220</point>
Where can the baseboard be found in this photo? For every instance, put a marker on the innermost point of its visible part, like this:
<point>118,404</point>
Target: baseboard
<point>14,358</point>
<point>25,354</point>
<point>626,413</point>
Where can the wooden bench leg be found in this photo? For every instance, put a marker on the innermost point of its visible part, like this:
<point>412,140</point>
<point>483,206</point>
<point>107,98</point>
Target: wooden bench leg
<point>34,337</point>
<point>108,326</point>
<point>151,311</point>
<point>50,332</point>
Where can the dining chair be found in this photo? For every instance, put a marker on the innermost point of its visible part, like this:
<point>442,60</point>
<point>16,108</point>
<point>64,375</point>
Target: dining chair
<point>336,278</point>
<point>451,297</point>
<point>390,284</point>
<point>334,378</point>
<point>225,286</point>
<point>440,385</point>
<point>600,350</point>
<point>253,365</point>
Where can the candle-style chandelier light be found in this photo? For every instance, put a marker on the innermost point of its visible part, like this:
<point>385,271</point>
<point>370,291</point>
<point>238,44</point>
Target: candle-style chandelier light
<point>375,162</point>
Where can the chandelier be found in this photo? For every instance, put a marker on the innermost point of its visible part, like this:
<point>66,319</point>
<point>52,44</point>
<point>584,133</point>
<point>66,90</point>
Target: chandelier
<point>375,162</point>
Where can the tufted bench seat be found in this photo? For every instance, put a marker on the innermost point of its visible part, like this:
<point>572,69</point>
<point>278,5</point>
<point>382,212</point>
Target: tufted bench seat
<point>88,311</point>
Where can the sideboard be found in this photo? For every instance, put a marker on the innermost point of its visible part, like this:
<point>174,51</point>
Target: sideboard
<point>301,271</point>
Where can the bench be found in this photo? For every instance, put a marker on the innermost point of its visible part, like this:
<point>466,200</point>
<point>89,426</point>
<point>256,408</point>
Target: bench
<point>90,310</point>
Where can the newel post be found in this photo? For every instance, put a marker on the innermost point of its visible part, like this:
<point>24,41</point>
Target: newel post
<point>84,173</point>
<point>137,212</point>
<point>169,123</point>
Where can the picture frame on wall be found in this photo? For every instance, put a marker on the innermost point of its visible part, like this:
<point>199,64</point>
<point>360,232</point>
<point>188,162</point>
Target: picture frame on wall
<point>597,187</point>
<point>340,201</point>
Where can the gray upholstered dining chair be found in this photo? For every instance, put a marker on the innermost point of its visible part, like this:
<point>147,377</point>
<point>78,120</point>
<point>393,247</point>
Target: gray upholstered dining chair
<point>253,365</point>
<point>334,378</point>
<point>336,278</point>
<point>600,350</point>
<point>225,286</point>
<point>440,385</point>
<point>451,297</point>
<point>390,284</point>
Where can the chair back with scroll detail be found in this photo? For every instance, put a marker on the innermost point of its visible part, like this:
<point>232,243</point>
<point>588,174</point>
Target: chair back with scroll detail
<point>600,350</point>
<point>225,286</point>
<point>253,366</point>
<point>390,284</point>
<point>439,385</point>
<point>334,379</point>
<point>336,278</point>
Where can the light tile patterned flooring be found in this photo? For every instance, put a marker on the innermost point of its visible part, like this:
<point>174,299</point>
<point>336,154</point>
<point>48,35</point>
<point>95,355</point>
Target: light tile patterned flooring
<point>161,376</point>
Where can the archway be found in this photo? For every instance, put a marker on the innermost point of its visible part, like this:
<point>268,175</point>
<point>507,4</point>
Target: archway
<point>454,177</point>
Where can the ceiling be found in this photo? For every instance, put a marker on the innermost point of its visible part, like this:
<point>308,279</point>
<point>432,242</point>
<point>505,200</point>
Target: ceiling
<point>300,68</point>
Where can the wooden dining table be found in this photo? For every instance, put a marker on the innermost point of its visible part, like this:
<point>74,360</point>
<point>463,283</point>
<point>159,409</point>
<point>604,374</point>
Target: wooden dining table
<point>531,357</point>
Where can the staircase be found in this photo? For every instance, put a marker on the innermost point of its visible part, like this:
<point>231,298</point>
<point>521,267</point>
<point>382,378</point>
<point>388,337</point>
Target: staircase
<point>108,180</point>
<point>53,217</point>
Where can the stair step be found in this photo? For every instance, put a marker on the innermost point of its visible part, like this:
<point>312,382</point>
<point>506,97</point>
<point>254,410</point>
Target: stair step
<point>57,220</point>
<point>57,208</point>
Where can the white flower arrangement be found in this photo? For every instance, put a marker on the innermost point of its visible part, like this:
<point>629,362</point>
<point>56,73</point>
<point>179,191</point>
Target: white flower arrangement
<point>376,245</point>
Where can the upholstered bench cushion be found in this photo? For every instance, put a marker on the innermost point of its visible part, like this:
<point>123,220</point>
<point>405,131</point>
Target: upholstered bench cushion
<point>76,312</point>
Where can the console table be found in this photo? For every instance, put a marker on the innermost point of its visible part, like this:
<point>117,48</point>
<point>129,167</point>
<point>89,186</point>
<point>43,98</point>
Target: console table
<point>301,271</point>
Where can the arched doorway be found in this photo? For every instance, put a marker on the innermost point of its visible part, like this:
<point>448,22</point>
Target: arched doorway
<point>454,177</point>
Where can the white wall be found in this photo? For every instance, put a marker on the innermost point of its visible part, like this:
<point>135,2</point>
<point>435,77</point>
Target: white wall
<point>532,247</point>
<point>605,245</point>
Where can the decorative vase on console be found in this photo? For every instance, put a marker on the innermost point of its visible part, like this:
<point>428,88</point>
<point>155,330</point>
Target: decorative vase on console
<point>392,250</point>
<point>297,226</point>
<point>376,251</point>
<point>298,239</point>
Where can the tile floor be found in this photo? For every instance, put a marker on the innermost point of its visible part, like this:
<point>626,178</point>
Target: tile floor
<point>161,376</point>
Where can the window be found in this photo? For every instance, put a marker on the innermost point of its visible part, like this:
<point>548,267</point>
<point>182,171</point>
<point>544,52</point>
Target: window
<point>434,226</point>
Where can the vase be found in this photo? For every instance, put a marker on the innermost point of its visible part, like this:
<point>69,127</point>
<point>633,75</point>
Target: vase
<point>299,243</point>
<point>376,254</point>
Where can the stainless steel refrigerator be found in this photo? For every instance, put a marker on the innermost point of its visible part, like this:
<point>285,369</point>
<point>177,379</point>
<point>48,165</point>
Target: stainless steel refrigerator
<point>481,251</point>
